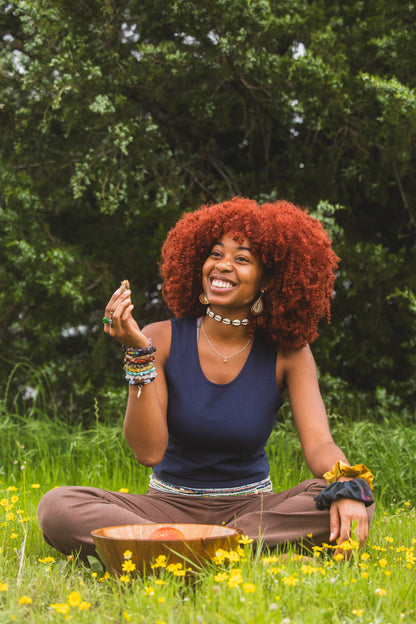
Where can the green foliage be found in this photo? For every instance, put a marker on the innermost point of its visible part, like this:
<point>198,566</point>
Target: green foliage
<point>117,117</point>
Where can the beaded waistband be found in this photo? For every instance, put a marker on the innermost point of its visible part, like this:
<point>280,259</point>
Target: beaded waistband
<point>169,488</point>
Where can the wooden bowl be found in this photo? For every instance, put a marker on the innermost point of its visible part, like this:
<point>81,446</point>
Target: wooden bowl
<point>199,546</point>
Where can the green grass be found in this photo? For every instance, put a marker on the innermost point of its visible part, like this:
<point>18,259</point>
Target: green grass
<point>376,585</point>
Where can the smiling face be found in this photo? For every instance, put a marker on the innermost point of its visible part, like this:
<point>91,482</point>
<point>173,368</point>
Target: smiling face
<point>231,275</point>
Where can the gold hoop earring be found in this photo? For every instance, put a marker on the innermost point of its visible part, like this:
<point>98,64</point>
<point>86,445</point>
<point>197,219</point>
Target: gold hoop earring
<point>258,306</point>
<point>203,299</point>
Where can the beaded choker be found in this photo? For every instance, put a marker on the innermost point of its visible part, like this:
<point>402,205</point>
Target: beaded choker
<point>226,321</point>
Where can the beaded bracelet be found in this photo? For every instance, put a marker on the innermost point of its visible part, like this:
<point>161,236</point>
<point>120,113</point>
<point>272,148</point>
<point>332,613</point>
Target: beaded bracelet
<point>343,470</point>
<point>356,489</point>
<point>139,365</point>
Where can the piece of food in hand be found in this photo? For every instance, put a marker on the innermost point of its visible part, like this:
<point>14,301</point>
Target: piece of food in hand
<point>125,285</point>
<point>167,533</point>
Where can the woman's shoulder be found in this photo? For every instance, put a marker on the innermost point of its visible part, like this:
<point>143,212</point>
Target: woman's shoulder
<point>161,333</point>
<point>294,363</point>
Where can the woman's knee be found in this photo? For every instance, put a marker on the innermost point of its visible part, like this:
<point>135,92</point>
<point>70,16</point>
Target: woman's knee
<point>54,507</point>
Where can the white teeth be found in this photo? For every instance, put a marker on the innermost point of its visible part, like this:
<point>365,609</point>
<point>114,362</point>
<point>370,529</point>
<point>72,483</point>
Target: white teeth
<point>219,284</point>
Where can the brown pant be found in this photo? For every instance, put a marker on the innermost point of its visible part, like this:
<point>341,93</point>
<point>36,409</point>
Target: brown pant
<point>67,515</point>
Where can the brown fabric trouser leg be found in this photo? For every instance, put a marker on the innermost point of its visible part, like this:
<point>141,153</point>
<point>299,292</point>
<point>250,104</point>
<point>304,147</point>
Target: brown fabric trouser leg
<point>67,515</point>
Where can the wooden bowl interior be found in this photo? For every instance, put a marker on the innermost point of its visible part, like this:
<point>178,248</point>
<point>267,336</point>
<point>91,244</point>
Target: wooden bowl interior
<point>144,531</point>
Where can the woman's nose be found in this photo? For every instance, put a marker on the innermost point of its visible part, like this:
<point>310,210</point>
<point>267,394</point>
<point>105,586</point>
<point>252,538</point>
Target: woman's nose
<point>222,265</point>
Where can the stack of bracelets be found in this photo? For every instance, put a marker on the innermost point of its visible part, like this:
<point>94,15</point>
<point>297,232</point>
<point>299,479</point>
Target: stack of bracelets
<point>359,488</point>
<point>139,365</point>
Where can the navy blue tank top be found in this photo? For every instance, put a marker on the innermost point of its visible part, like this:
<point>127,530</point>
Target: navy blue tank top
<point>217,432</point>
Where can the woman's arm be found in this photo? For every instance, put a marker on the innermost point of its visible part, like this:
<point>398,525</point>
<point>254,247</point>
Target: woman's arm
<point>145,425</point>
<point>301,380</point>
<point>298,373</point>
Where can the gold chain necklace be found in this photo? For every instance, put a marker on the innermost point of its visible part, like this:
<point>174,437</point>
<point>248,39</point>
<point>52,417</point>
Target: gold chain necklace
<point>225,358</point>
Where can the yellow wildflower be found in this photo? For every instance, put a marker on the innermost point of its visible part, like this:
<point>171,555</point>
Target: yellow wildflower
<point>127,554</point>
<point>47,560</point>
<point>219,556</point>
<point>74,599</point>
<point>382,563</point>
<point>380,592</point>
<point>3,587</point>
<point>273,570</point>
<point>245,539</point>
<point>357,612</point>
<point>126,616</point>
<point>12,488</point>
<point>221,576</point>
<point>309,569</point>
<point>365,556</point>
<point>149,591</point>
<point>349,544</point>
<point>249,588</point>
<point>235,578</point>
<point>60,607</point>
<point>233,555</point>
<point>339,557</point>
<point>25,600</point>
<point>35,486</point>
<point>290,580</point>
<point>105,577</point>
<point>128,566</point>
<point>124,578</point>
<point>84,606</point>
<point>14,499</point>
<point>124,490</point>
<point>160,562</point>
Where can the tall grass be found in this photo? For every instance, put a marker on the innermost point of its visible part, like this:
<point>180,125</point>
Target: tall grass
<point>375,585</point>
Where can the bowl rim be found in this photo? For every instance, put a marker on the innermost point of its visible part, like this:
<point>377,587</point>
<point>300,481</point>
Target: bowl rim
<point>233,532</point>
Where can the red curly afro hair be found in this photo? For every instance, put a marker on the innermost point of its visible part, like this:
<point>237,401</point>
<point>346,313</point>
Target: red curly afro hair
<point>295,251</point>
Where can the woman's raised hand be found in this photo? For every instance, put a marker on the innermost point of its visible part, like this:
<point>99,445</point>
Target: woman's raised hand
<point>119,323</point>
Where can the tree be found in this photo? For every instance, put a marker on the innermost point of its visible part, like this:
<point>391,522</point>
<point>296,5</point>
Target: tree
<point>117,116</point>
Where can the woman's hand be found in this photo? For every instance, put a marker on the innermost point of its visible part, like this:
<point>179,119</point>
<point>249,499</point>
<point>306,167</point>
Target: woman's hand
<point>120,323</point>
<point>343,514</point>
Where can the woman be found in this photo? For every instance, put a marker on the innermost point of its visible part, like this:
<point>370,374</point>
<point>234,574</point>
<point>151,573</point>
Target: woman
<point>247,285</point>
